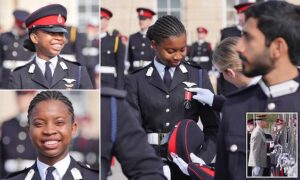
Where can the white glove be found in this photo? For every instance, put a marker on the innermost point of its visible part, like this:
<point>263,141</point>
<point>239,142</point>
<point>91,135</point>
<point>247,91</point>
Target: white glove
<point>196,159</point>
<point>167,172</point>
<point>204,96</point>
<point>256,170</point>
<point>180,163</point>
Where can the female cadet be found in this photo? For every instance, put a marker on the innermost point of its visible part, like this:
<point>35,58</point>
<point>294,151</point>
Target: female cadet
<point>157,92</point>
<point>46,28</point>
<point>51,126</point>
<point>226,59</point>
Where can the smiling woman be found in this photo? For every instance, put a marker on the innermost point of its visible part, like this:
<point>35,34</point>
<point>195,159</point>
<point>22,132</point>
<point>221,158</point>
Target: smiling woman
<point>47,70</point>
<point>51,126</point>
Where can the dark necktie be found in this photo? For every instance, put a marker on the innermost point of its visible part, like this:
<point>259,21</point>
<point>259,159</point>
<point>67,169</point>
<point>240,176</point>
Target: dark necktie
<point>167,77</point>
<point>48,73</point>
<point>49,175</point>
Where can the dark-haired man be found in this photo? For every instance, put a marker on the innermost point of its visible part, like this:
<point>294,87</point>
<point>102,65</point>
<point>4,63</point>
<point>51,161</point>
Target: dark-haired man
<point>269,47</point>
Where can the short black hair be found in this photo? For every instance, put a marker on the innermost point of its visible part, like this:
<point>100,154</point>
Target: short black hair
<point>50,95</point>
<point>279,19</point>
<point>165,27</point>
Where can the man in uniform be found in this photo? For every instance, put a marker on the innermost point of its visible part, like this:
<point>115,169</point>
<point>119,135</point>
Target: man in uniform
<point>46,27</point>
<point>16,150</point>
<point>74,45</point>
<point>91,49</point>
<point>12,52</point>
<point>269,47</point>
<point>123,137</point>
<point>225,87</point>
<point>258,150</point>
<point>140,53</point>
<point>112,55</point>
<point>236,30</point>
<point>200,52</point>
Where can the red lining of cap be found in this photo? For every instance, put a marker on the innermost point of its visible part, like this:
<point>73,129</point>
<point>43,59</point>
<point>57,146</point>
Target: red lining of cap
<point>242,9</point>
<point>48,20</point>
<point>172,141</point>
<point>195,172</point>
<point>185,141</point>
<point>207,170</point>
<point>145,13</point>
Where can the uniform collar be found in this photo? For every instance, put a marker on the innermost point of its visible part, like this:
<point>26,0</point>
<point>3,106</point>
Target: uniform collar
<point>254,80</point>
<point>201,41</point>
<point>61,167</point>
<point>144,32</point>
<point>161,68</point>
<point>281,89</point>
<point>41,63</point>
<point>103,35</point>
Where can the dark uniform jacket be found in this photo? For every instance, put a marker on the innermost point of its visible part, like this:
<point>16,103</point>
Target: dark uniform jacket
<point>15,146</point>
<point>12,54</point>
<point>201,54</point>
<point>67,75</point>
<point>123,137</point>
<point>112,57</point>
<point>160,109</point>
<point>86,173</point>
<point>139,51</point>
<point>231,147</point>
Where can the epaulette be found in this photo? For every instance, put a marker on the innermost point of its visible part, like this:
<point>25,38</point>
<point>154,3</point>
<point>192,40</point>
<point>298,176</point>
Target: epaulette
<point>17,173</point>
<point>20,67</point>
<point>73,62</point>
<point>240,91</point>
<point>108,91</point>
<point>137,70</point>
<point>85,166</point>
<point>191,63</point>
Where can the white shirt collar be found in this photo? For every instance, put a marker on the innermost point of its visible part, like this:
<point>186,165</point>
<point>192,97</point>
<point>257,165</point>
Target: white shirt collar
<point>41,64</point>
<point>102,35</point>
<point>144,32</point>
<point>61,168</point>
<point>281,89</point>
<point>254,80</point>
<point>161,68</point>
<point>201,41</point>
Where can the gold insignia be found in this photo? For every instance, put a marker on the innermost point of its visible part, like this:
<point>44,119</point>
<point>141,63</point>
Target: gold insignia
<point>59,19</point>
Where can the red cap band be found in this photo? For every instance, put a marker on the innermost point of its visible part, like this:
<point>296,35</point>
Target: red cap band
<point>105,14</point>
<point>49,20</point>
<point>145,14</point>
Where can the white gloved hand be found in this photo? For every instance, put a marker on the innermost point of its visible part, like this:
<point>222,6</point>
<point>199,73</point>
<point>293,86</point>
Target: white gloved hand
<point>256,170</point>
<point>167,172</point>
<point>196,159</point>
<point>180,163</point>
<point>204,96</point>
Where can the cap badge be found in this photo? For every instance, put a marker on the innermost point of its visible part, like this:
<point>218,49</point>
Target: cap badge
<point>141,12</point>
<point>59,18</point>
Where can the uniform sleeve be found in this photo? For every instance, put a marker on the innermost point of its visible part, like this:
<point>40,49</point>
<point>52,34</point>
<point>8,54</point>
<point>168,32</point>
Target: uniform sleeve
<point>120,62</point>
<point>132,95</point>
<point>210,120</point>
<point>132,150</point>
<point>129,54</point>
<point>14,81</point>
<point>221,159</point>
<point>85,79</point>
